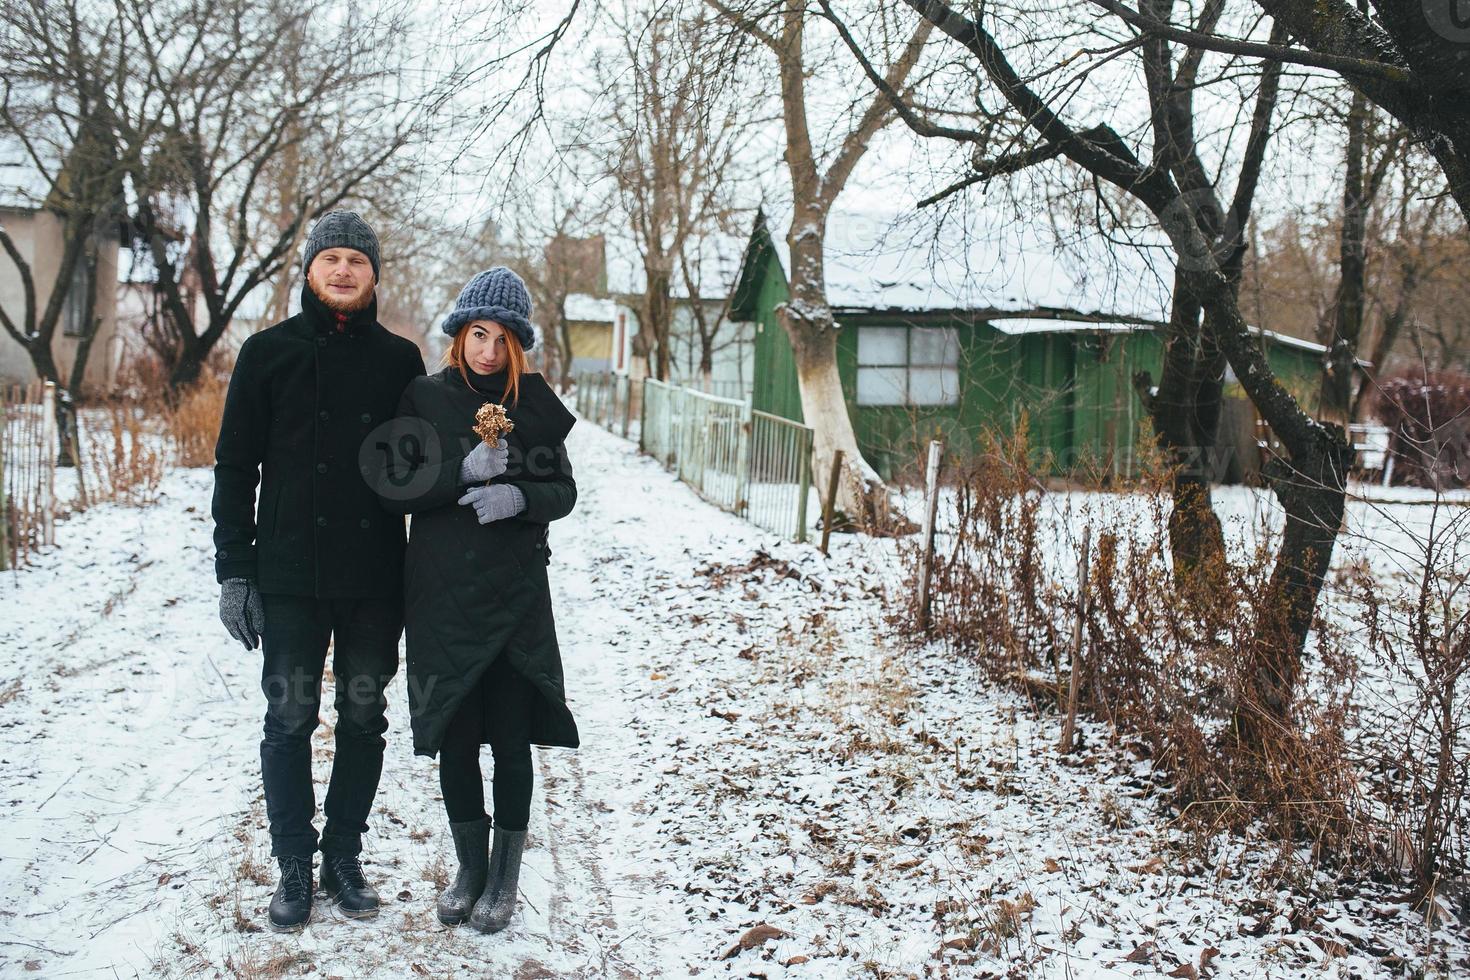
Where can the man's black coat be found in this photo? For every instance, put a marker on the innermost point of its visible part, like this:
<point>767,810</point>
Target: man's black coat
<point>304,399</point>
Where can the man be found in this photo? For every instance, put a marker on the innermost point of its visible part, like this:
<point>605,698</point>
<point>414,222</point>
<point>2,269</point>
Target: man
<point>319,559</point>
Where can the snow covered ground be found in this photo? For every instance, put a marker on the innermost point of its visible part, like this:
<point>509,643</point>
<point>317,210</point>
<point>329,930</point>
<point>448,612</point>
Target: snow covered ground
<point>766,786</point>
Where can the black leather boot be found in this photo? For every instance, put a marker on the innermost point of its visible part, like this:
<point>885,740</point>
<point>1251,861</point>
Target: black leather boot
<point>472,847</point>
<point>498,902</point>
<point>291,905</point>
<point>342,879</point>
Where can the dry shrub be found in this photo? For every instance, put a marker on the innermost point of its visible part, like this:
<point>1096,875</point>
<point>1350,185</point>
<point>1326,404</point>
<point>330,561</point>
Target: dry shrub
<point>1428,414</point>
<point>1415,744</point>
<point>126,458</point>
<point>193,423</point>
<point>1163,660</point>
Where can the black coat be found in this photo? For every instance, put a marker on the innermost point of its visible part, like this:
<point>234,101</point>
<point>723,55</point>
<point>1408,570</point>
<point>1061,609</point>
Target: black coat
<point>475,592</point>
<point>304,398</point>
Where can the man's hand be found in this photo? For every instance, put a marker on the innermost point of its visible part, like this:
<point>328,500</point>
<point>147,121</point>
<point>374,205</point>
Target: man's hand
<point>484,462</point>
<point>242,611</point>
<point>495,503</point>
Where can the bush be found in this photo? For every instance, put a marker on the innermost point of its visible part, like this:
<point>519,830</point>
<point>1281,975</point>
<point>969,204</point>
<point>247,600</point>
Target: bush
<point>1428,413</point>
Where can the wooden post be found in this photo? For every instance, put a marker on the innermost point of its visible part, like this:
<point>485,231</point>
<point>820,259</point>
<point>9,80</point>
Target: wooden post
<point>48,464</point>
<point>830,503</point>
<point>931,508</point>
<point>804,481</point>
<point>1084,565</point>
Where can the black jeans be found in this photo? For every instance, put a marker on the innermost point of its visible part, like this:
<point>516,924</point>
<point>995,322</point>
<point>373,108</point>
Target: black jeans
<point>498,711</point>
<point>364,635</point>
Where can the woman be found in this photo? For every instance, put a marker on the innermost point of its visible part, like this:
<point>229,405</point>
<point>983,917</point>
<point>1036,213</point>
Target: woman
<point>483,663</point>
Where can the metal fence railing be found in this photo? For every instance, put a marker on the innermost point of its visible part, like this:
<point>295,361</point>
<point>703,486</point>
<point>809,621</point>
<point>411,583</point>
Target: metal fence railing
<point>607,399</point>
<point>753,464</point>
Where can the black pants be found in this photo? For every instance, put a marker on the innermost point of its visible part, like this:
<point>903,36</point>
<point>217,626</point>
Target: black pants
<point>498,710</point>
<point>364,634</point>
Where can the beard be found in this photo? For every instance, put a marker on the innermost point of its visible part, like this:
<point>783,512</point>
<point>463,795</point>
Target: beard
<point>338,304</point>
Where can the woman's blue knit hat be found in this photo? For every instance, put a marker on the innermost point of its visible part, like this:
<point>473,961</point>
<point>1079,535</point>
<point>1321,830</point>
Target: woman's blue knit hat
<point>496,294</point>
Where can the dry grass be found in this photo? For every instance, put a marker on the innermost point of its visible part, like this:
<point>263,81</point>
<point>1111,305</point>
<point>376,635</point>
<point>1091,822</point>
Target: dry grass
<point>1165,660</point>
<point>193,422</point>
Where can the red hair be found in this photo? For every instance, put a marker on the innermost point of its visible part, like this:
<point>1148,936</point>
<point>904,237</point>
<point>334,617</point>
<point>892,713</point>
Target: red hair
<point>515,360</point>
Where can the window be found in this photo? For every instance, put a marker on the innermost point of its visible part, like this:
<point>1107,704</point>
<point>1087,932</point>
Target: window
<point>908,366</point>
<point>74,321</point>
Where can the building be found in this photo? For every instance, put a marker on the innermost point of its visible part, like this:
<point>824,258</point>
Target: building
<point>731,356</point>
<point>38,237</point>
<point>947,347</point>
<point>589,322</point>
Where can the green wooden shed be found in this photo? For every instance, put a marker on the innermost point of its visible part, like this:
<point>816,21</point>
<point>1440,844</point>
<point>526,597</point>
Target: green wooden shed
<point>927,362</point>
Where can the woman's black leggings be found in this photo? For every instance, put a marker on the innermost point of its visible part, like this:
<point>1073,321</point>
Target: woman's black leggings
<point>499,710</point>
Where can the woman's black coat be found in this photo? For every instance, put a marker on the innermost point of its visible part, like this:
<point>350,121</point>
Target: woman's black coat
<point>474,592</point>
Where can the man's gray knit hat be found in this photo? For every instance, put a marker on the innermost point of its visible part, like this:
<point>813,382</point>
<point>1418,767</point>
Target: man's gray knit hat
<point>342,229</point>
<point>496,294</point>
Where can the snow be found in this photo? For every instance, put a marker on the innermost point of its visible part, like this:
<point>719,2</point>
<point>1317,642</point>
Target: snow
<point>585,307</point>
<point>877,258</point>
<point>756,752</point>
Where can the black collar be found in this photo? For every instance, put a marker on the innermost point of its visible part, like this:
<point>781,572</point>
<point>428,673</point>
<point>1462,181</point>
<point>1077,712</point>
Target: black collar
<point>324,319</point>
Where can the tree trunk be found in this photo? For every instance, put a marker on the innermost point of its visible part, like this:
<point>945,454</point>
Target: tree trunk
<point>1311,485</point>
<point>808,321</point>
<point>1195,536</point>
<point>660,313</point>
<point>1311,491</point>
<point>1347,320</point>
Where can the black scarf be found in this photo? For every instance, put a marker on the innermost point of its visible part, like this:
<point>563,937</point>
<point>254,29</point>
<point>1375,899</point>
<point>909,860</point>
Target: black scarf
<point>540,417</point>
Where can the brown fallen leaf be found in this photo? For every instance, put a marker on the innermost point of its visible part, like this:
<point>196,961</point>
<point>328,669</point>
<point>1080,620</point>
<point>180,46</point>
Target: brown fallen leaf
<point>1331,947</point>
<point>1143,954</point>
<point>1185,970</point>
<point>754,937</point>
<point>656,676</point>
<point>1206,958</point>
<point>793,961</point>
<point>1051,866</point>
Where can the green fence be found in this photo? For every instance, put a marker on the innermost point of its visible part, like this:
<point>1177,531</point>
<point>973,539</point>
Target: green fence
<point>752,464</point>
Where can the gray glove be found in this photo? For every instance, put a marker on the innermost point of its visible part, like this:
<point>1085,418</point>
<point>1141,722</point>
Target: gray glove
<point>484,463</point>
<point>242,611</point>
<point>495,503</point>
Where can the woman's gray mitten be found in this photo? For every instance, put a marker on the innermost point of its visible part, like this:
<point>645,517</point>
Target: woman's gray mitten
<point>495,503</point>
<point>242,611</point>
<point>484,463</point>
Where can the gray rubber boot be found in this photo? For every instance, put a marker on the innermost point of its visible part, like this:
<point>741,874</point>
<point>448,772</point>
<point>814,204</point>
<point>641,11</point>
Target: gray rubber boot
<point>493,911</point>
<point>471,846</point>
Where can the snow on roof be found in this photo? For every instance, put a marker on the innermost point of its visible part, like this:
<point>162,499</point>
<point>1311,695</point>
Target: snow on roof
<point>581,306</point>
<point>913,261</point>
<point>1020,325</point>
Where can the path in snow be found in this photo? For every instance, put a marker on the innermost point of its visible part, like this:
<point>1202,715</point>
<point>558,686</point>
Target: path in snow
<point>753,754</point>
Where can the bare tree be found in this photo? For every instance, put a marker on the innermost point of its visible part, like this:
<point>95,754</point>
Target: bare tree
<point>61,70</point>
<point>1406,58</point>
<point>817,178</point>
<point>676,126</point>
<point>236,149</point>
<point>1310,481</point>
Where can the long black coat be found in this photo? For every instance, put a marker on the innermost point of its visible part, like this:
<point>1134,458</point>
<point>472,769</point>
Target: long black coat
<point>305,397</point>
<point>474,592</point>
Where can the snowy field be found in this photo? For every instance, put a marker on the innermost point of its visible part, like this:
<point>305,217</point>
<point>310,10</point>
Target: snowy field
<point>765,787</point>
